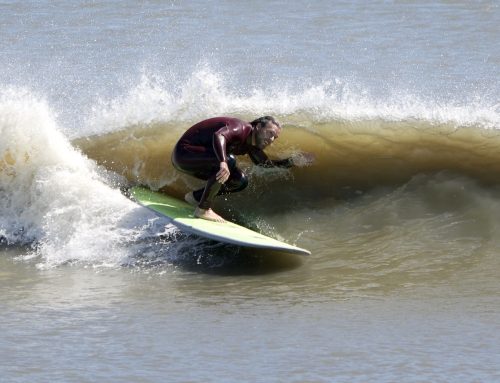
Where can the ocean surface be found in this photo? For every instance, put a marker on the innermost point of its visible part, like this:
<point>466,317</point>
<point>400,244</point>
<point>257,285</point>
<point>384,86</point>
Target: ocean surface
<point>399,103</point>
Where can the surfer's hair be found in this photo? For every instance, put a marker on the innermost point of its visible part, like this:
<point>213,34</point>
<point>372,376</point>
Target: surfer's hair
<point>264,120</point>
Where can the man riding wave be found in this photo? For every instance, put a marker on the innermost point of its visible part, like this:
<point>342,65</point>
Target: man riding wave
<point>206,151</point>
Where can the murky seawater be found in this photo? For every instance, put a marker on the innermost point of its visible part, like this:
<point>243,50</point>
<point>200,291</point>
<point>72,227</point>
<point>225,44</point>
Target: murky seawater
<point>397,100</point>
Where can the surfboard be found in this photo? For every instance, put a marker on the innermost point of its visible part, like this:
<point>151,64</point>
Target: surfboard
<point>181,215</point>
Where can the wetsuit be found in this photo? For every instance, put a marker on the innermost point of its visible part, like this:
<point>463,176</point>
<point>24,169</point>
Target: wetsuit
<point>205,145</point>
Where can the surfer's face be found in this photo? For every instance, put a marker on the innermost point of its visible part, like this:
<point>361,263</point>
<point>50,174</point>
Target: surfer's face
<point>266,134</point>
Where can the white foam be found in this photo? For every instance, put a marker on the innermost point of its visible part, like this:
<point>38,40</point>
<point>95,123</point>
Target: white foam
<point>53,197</point>
<point>206,93</point>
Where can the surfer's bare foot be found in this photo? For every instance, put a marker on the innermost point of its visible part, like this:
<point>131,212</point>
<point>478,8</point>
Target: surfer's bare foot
<point>189,198</point>
<point>208,214</point>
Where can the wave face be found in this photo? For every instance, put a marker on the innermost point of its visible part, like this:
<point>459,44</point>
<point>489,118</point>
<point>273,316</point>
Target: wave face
<point>358,140</point>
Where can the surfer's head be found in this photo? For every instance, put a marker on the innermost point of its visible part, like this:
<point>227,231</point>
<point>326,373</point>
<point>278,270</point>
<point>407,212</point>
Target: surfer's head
<point>266,130</point>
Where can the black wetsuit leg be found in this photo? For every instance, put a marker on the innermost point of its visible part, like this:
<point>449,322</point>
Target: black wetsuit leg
<point>203,164</point>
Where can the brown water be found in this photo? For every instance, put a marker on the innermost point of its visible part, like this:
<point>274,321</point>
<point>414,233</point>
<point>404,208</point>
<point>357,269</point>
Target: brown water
<point>321,319</point>
<point>398,101</point>
<point>402,283</point>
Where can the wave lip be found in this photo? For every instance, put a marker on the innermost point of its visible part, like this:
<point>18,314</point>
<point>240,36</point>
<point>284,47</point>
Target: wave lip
<point>207,93</point>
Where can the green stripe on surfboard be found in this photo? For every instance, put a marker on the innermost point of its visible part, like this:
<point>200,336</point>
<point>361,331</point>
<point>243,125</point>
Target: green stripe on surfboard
<point>181,215</point>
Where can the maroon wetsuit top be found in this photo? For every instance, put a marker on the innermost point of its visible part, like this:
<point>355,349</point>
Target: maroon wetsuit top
<point>222,136</point>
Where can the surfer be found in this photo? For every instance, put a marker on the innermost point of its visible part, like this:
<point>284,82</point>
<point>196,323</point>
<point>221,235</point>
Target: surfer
<point>206,151</point>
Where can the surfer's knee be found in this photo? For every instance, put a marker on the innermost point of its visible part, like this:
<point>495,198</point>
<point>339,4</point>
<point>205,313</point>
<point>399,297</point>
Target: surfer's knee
<point>231,162</point>
<point>242,183</point>
<point>236,182</point>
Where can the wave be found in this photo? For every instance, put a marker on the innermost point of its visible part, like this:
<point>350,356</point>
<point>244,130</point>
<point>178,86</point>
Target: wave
<point>62,196</point>
<point>54,198</point>
<point>349,155</point>
<point>360,140</point>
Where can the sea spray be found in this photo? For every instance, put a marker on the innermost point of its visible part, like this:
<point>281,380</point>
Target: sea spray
<point>53,197</point>
<point>158,98</point>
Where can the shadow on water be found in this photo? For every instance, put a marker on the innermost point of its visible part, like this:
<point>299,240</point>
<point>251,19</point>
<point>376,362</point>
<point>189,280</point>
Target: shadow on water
<point>193,254</point>
<point>243,262</point>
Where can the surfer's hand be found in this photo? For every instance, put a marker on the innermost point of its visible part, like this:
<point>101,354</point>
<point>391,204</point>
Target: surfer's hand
<point>223,174</point>
<point>302,159</point>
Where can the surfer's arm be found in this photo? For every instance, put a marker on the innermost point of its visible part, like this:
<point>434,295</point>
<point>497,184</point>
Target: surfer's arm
<point>260,158</point>
<point>230,132</point>
<point>219,143</point>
